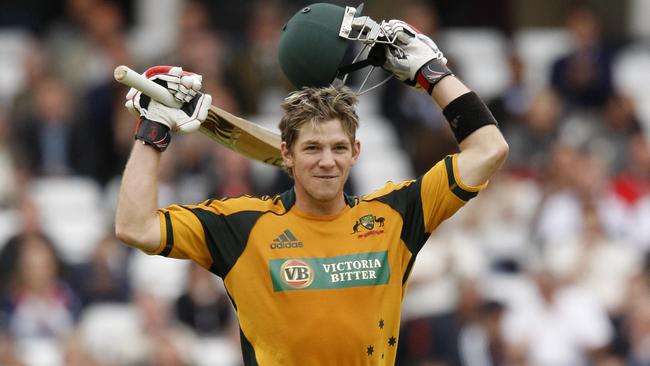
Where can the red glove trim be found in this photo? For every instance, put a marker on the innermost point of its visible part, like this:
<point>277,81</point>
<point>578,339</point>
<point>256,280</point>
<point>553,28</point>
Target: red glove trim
<point>157,70</point>
<point>422,81</point>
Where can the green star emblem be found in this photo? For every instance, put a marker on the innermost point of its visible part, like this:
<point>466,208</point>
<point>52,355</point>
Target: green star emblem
<point>392,341</point>
<point>370,350</point>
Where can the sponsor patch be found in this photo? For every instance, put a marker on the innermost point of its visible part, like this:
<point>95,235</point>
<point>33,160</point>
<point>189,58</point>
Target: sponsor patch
<point>363,269</point>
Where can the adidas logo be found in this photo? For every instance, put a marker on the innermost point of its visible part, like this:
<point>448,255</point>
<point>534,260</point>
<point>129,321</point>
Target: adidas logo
<point>286,240</point>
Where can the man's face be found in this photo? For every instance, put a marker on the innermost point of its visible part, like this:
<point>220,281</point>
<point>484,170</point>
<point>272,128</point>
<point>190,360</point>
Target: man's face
<point>321,158</point>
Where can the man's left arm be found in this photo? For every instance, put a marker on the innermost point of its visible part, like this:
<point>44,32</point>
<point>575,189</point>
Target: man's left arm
<point>483,149</point>
<point>415,59</point>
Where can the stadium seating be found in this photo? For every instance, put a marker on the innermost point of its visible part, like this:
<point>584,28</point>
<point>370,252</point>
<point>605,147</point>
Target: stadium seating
<point>72,214</point>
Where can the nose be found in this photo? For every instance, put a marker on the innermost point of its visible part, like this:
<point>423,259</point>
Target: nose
<point>327,159</point>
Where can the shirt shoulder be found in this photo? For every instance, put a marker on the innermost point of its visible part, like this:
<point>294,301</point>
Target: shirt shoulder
<point>234,205</point>
<point>389,188</point>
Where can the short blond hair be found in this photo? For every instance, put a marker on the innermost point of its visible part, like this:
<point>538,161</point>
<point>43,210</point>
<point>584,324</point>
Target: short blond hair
<point>317,105</point>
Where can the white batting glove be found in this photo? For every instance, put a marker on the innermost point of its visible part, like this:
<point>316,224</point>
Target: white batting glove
<point>185,87</point>
<point>413,58</point>
<point>186,119</point>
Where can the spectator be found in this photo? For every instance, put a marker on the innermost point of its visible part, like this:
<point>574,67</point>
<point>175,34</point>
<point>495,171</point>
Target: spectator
<point>228,18</point>
<point>8,355</point>
<point>559,326</point>
<point>30,228</point>
<point>40,305</point>
<point>258,80</point>
<point>510,108</point>
<point>104,277</point>
<point>78,42</point>
<point>204,307</point>
<point>8,173</point>
<point>52,141</point>
<point>632,182</point>
<point>468,335</point>
<point>639,332</point>
<point>103,103</point>
<point>491,321</point>
<point>576,178</point>
<point>638,228</point>
<point>161,332</point>
<point>498,226</point>
<point>234,174</point>
<point>194,19</point>
<point>583,78</point>
<point>35,64</point>
<point>170,350</point>
<point>531,141</point>
<point>595,262</point>
<point>605,131</point>
<point>620,125</point>
<point>203,51</point>
<point>76,354</point>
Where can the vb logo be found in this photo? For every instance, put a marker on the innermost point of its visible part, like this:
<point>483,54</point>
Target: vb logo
<point>296,273</point>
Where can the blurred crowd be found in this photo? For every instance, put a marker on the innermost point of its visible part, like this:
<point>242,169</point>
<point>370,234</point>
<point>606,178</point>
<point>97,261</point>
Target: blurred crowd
<point>549,266</point>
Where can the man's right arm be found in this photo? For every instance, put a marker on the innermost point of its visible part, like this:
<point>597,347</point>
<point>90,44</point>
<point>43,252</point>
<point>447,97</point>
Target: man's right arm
<point>136,220</point>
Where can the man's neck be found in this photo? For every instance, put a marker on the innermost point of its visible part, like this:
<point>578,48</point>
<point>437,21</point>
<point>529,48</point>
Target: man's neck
<point>312,207</point>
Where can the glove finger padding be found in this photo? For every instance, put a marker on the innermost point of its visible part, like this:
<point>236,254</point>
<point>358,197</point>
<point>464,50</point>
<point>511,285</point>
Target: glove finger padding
<point>402,30</point>
<point>186,88</point>
<point>133,102</point>
<point>405,32</point>
<point>409,54</point>
<point>183,85</point>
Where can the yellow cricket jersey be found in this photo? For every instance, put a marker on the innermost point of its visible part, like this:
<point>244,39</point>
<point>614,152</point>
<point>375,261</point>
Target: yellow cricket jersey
<point>316,290</point>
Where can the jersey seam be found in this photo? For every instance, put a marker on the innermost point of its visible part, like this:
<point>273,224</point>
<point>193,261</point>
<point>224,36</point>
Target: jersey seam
<point>169,243</point>
<point>213,255</point>
<point>262,212</point>
<point>455,185</point>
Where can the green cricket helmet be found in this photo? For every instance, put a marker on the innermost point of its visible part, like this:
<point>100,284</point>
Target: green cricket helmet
<point>315,40</point>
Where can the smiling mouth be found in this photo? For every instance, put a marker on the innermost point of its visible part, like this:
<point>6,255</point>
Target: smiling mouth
<point>326,176</point>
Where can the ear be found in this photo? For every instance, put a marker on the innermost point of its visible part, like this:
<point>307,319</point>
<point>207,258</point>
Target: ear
<point>287,157</point>
<point>356,150</point>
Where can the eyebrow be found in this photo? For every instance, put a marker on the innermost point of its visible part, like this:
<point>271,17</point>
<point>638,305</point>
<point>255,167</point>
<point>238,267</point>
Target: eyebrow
<point>318,142</point>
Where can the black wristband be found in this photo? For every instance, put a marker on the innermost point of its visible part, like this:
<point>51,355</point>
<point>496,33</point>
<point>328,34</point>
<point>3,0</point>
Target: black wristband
<point>431,73</point>
<point>467,114</point>
<point>153,133</point>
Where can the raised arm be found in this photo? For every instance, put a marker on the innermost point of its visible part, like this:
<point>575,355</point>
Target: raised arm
<point>484,149</point>
<point>136,218</point>
<point>416,60</point>
<point>137,221</point>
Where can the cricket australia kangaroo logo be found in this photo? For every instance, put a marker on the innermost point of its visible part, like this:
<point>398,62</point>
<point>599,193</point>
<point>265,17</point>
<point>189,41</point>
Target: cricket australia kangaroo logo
<point>368,222</point>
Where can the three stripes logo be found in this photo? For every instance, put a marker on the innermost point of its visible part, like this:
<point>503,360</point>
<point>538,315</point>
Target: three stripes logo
<point>286,240</point>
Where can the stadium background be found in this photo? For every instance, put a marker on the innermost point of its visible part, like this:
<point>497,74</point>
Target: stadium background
<point>549,266</point>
